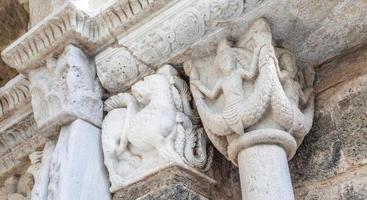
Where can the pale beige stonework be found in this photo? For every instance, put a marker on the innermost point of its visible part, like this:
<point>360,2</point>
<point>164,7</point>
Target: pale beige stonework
<point>183,99</point>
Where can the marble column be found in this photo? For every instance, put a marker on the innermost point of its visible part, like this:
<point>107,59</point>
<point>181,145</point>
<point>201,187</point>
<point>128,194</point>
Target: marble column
<point>256,107</point>
<point>264,173</point>
<point>66,94</point>
<point>77,170</point>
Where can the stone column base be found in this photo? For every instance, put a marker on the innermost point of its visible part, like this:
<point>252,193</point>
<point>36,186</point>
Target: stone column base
<point>170,183</point>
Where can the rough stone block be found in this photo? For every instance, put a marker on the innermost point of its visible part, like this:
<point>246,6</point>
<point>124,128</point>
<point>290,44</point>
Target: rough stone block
<point>13,22</point>
<point>170,183</point>
<point>180,183</point>
<point>337,142</point>
<point>351,186</point>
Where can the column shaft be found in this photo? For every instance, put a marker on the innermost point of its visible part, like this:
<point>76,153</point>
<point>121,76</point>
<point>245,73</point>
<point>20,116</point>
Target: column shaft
<point>77,169</point>
<point>264,173</point>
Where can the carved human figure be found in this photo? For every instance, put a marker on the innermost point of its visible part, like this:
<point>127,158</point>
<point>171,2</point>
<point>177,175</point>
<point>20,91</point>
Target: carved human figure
<point>230,84</point>
<point>151,128</point>
<point>66,89</point>
<point>255,110</point>
<point>252,90</point>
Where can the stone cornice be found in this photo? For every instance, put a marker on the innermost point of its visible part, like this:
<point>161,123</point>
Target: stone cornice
<point>70,25</point>
<point>134,26</point>
<point>18,141</point>
<point>14,95</point>
<point>182,26</point>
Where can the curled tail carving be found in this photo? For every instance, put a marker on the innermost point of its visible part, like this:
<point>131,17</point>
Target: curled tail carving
<point>288,115</point>
<point>191,144</point>
<point>121,100</point>
<point>253,109</point>
<point>303,121</point>
<point>214,121</point>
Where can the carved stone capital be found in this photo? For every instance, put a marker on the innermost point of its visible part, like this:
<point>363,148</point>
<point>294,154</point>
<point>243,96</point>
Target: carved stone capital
<point>152,128</point>
<point>66,89</point>
<point>256,107</point>
<point>251,93</point>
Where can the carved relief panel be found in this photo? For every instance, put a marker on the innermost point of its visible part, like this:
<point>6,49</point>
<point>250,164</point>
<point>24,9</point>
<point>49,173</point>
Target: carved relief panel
<point>179,28</point>
<point>248,87</point>
<point>66,89</point>
<point>151,128</point>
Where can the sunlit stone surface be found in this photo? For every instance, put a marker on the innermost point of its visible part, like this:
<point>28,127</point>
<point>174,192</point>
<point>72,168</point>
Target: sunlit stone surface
<point>182,99</point>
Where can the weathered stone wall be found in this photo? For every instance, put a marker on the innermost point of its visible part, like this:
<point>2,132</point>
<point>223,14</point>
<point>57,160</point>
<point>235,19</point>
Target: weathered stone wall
<point>13,22</point>
<point>331,162</point>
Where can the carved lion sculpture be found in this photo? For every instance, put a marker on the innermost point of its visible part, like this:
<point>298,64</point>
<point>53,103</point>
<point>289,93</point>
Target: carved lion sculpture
<point>150,126</point>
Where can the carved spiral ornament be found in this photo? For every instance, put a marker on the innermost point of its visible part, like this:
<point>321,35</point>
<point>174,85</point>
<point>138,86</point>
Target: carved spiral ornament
<point>189,26</point>
<point>117,69</point>
<point>222,10</point>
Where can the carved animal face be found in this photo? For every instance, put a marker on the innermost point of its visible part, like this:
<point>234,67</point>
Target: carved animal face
<point>140,92</point>
<point>153,84</point>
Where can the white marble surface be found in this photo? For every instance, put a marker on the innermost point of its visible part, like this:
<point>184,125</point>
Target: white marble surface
<point>250,94</point>
<point>152,128</point>
<point>264,173</point>
<point>66,89</point>
<point>76,170</point>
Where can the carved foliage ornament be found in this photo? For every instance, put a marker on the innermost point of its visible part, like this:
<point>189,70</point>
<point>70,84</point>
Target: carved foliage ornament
<point>151,128</point>
<point>186,23</point>
<point>252,93</point>
<point>65,90</point>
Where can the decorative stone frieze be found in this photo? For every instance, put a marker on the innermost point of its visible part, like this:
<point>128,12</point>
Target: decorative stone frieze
<point>18,141</point>
<point>66,89</point>
<point>69,24</point>
<point>185,23</point>
<point>13,95</point>
<point>178,28</point>
<point>17,187</point>
<point>19,135</point>
<point>152,129</point>
<point>252,99</point>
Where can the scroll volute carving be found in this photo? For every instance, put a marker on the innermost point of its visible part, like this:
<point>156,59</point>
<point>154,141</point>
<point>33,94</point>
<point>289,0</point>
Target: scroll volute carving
<point>250,86</point>
<point>66,89</point>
